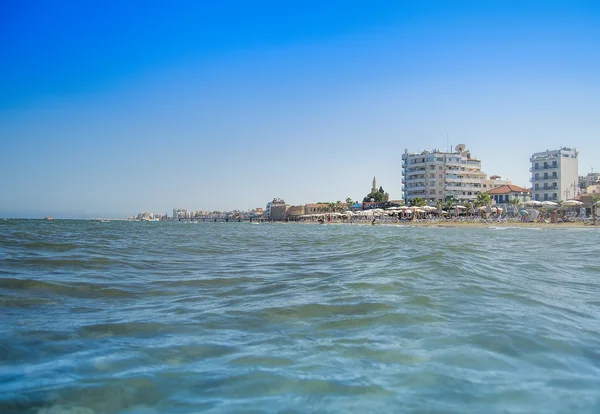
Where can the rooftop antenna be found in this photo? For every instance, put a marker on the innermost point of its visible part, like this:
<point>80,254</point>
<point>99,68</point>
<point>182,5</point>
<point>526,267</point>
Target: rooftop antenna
<point>447,146</point>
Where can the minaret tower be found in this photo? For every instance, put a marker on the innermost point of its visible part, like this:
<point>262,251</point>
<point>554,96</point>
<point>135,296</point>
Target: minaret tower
<point>374,189</point>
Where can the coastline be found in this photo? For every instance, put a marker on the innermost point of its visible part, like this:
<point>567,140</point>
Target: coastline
<point>474,225</point>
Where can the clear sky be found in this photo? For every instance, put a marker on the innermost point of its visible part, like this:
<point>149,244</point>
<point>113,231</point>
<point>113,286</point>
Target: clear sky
<point>112,108</point>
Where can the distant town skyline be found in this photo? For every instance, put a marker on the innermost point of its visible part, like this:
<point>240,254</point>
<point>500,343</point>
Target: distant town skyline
<point>111,109</point>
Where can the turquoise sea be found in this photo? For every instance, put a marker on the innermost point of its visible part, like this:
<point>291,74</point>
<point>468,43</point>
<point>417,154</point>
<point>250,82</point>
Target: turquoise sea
<point>131,317</point>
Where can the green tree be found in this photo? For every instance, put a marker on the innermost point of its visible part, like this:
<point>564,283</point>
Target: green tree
<point>515,202</point>
<point>386,197</point>
<point>468,206</point>
<point>418,202</point>
<point>376,196</point>
<point>483,199</point>
<point>381,190</point>
<point>349,201</point>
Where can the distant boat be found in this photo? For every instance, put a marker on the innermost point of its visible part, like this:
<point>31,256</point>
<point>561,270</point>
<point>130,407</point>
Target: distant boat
<point>48,218</point>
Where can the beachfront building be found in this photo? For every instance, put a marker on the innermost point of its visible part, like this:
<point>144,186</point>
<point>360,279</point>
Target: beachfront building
<point>441,176</point>
<point>495,181</point>
<point>504,194</point>
<point>554,174</point>
<point>316,208</point>
<point>293,213</point>
<point>276,209</point>
<point>180,213</point>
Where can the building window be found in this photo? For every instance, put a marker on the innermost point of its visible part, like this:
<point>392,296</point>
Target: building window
<point>537,165</point>
<point>545,196</point>
<point>554,196</point>
<point>537,176</point>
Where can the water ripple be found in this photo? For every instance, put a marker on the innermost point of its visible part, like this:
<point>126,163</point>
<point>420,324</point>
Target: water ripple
<point>129,317</point>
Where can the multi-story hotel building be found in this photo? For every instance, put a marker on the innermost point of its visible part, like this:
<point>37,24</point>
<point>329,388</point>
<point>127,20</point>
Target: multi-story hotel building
<point>554,174</point>
<point>440,176</point>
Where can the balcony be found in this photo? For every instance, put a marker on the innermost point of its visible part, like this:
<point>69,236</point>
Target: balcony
<point>543,167</point>
<point>550,177</point>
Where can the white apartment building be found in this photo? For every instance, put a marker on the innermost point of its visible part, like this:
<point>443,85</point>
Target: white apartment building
<point>180,213</point>
<point>554,174</point>
<point>440,176</point>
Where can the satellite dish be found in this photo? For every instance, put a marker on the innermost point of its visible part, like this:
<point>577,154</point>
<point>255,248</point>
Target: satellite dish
<point>460,147</point>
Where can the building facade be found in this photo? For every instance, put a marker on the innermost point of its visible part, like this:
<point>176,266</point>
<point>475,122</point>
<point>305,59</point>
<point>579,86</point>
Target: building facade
<point>495,181</point>
<point>504,194</point>
<point>591,178</point>
<point>277,209</point>
<point>554,174</point>
<point>440,176</point>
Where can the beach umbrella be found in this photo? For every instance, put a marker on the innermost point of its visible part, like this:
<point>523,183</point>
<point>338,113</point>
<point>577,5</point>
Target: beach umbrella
<point>532,203</point>
<point>572,203</point>
<point>488,208</point>
<point>549,204</point>
<point>472,209</point>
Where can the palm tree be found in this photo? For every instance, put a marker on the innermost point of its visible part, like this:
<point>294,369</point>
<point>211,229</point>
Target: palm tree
<point>483,199</point>
<point>515,202</point>
<point>418,202</point>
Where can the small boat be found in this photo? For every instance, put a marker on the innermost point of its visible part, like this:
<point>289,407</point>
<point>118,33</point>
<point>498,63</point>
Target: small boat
<point>48,218</point>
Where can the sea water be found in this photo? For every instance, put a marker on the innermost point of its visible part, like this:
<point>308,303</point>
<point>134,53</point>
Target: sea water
<point>169,317</point>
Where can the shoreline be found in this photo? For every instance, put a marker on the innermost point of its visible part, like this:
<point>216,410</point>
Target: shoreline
<point>463,224</point>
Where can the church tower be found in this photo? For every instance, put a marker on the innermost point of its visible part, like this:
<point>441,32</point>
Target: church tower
<point>374,189</point>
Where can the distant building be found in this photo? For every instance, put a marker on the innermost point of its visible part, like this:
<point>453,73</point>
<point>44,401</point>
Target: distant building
<point>315,208</point>
<point>277,209</point>
<point>495,181</point>
<point>440,176</point>
<point>591,178</point>
<point>504,194</point>
<point>180,213</point>
<point>294,212</point>
<point>374,188</point>
<point>593,189</point>
<point>554,174</point>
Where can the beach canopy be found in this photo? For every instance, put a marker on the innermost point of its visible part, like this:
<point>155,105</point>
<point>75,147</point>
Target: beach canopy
<point>572,203</point>
<point>532,203</point>
<point>549,204</point>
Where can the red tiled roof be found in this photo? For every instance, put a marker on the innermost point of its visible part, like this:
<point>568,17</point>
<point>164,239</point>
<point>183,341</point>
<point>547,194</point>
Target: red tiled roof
<point>507,189</point>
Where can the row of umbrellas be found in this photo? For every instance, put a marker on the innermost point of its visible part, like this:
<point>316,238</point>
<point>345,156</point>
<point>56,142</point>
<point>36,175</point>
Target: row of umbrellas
<point>551,204</point>
<point>426,209</point>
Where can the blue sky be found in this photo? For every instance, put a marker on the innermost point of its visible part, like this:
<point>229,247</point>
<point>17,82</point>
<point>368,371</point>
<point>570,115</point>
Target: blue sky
<point>111,108</point>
